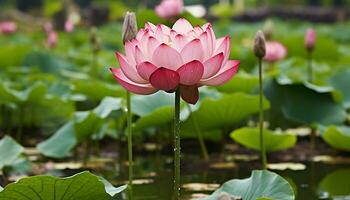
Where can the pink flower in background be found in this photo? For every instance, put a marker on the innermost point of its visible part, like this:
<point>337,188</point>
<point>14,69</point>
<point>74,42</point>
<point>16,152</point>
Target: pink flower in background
<point>161,58</point>
<point>8,27</point>
<point>169,8</point>
<point>310,39</point>
<point>275,51</point>
<point>68,26</point>
<point>52,38</point>
<point>48,27</point>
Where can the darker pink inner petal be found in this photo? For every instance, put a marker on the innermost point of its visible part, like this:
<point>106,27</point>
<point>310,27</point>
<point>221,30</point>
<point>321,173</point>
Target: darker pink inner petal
<point>164,79</point>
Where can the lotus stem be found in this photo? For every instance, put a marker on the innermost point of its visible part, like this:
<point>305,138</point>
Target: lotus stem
<point>177,146</point>
<point>129,132</point>
<point>261,118</point>
<point>309,66</point>
<point>199,134</point>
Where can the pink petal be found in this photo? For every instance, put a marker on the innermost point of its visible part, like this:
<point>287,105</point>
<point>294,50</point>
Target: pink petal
<point>190,94</point>
<point>150,26</point>
<point>128,70</point>
<point>182,26</point>
<point>206,44</point>
<point>139,56</point>
<point>145,69</point>
<point>190,73</point>
<point>192,51</point>
<point>165,56</point>
<point>153,43</point>
<point>179,42</point>
<point>130,51</point>
<point>224,75</point>
<point>131,86</point>
<point>164,79</point>
<point>212,65</point>
<point>224,45</point>
<point>198,30</point>
<point>159,34</point>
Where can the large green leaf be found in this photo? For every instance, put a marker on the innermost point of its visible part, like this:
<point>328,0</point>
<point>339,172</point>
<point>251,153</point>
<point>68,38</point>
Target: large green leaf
<point>338,137</point>
<point>80,186</point>
<point>83,125</point>
<point>158,117</point>
<point>260,185</point>
<point>242,82</point>
<point>60,144</point>
<point>306,104</point>
<point>33,93</point>
<point>144,105</point>
<point>336,184</point>
<point>225,112</point>
<point>341,82</point>
<point>10,151</point>
<point>273,141</point>
<point>12,55</point>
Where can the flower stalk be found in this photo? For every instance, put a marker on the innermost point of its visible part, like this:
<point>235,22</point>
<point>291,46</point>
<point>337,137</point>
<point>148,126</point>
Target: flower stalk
<point>129,32</point>
<point>199,134</point>
<point>177,146</point>
<point>260,51</point>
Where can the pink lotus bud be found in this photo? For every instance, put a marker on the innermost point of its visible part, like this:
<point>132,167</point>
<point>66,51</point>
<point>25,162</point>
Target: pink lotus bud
<point>129,30</point>
<point>310,39</point>
<point>8,27</point>
<point>164,58</point>
<point>259,45</point>
<point>68,26</point>
<point>48,27</point>
<point>169,8</point>
<point>275,51</point>
<point>52,39</point>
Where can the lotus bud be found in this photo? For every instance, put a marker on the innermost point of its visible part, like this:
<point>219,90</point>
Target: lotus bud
<point>95,40</point>
<point>129,30</point>
<point>259,44</point>
<point>310,39</point>
<point>268,29</point>
<point>52,38</point>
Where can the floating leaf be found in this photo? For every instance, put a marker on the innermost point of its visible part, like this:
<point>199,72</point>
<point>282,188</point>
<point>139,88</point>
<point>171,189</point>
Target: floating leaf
<point>273,141</point>
<point>285,166</point>
<point>336,184</point>
<point>80,186</point>
<point>338,137</point>
<point>261,184</point>
<point>10,151</point>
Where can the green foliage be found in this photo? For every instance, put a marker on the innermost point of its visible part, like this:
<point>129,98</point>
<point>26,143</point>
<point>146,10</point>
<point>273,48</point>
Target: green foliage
<point>338,137</point>
<point>307,104</point>
<point>80,186</point>
<point>242,82</point>
<point>336,184</point>
<point>341,82</point>
<point>82,126</point>
<point>273,141</point>
<point>260,185</point>
<point>226,112</point>
<point>10,152</point>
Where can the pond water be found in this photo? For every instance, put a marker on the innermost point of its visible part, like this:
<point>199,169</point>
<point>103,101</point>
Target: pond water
<point>153,177</point>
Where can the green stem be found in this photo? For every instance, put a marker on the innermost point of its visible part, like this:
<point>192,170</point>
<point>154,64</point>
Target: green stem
<point>199,134</point>
<point>177,146</point>
<point>261,117</point>
<point>129,132</point>
<point>309,65</point>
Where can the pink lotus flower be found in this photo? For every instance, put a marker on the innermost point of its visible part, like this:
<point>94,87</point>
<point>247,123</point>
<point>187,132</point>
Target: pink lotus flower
<point>310,39</point>
<point>275,51</point>
<point>68,26</point>
<point>161,58</point>
<point>8,27</point>
<point>52,38</point>
<point>169,8</point>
